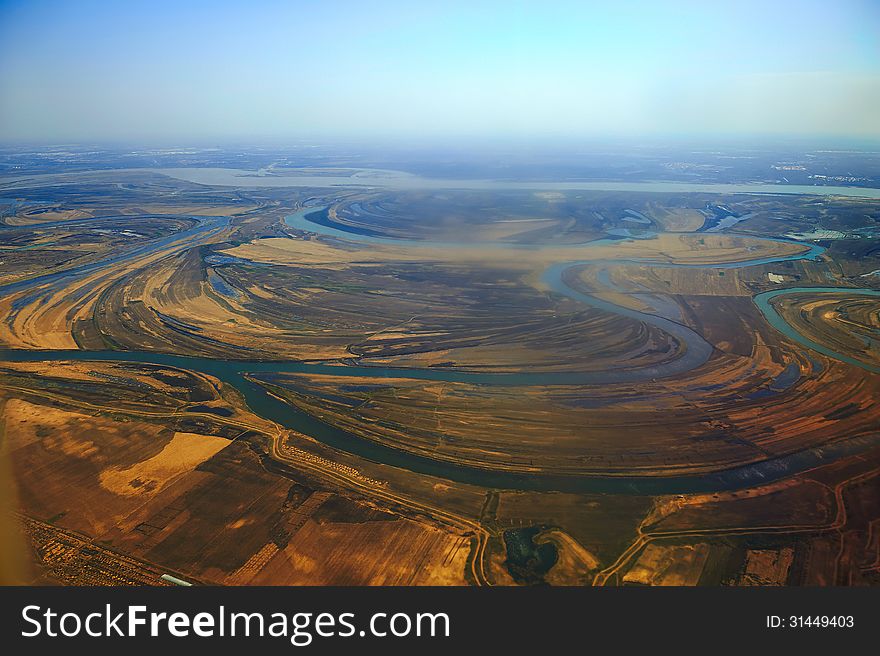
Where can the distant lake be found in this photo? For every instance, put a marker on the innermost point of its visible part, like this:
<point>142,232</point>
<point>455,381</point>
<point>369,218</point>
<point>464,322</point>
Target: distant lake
<point>402,181</point>
<point>399,180</point>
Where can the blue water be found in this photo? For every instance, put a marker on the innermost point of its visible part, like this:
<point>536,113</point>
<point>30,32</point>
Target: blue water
<point>695,353</point>
<point>205,226</point>
<point>219,285</point>
<point>776,320</point>
<point>264,404</point>
<point>301,221</point>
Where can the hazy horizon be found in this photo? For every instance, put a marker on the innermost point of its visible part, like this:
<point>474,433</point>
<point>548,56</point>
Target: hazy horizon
<point>196,72</point>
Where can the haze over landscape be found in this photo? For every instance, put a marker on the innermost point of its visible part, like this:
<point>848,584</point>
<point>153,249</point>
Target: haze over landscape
<point>197,71</point>
<point>440,293</point>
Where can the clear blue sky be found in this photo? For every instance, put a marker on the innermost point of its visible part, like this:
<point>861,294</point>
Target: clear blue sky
<point>88,70</point>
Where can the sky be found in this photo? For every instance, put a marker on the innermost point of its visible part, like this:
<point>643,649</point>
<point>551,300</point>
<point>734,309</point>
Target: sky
<point>188,70</point>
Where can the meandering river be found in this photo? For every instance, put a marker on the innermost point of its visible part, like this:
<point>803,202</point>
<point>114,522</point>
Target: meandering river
<point>695,351</point>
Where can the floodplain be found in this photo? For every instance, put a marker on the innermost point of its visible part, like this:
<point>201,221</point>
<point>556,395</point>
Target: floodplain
<point>342,381</point>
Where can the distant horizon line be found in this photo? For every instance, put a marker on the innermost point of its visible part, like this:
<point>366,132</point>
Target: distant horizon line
<point>750,141</point>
